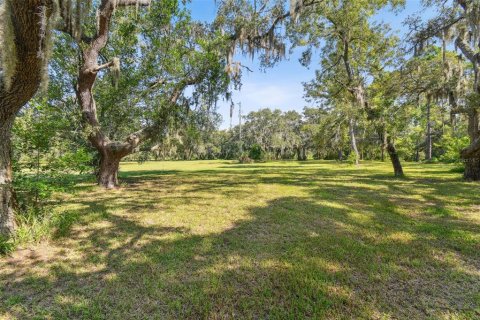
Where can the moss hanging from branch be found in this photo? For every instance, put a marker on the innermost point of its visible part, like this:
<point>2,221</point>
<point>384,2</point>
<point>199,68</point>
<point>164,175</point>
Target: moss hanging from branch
<point>7,46</point>
<point>115,71</point>
<point>47,13</point>
<point>73,13</point>
<point>46,45</point>
<point>295,9</point>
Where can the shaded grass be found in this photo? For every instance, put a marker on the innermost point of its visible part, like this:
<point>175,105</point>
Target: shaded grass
<point>281,240</point>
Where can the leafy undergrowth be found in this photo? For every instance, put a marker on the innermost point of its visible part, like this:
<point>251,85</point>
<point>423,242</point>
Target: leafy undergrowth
<point>34,215</point>
<point>281,240</point>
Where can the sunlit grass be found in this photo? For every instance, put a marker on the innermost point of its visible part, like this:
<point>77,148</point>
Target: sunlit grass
<point>276,240</point>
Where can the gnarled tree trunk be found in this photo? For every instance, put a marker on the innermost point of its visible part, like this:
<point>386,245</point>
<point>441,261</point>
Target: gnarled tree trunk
<point>27,19</point>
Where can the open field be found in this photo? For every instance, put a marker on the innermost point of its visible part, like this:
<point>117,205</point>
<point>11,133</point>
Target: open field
<point>280,240</point>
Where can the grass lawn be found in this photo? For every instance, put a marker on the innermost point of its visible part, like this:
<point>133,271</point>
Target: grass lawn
<point>280,240</point>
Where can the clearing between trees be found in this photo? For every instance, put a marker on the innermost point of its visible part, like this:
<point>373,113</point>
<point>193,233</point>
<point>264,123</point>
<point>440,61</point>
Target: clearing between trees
<point>289,240</point>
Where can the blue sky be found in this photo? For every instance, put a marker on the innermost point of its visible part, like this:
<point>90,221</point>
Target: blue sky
<point>281,86</point>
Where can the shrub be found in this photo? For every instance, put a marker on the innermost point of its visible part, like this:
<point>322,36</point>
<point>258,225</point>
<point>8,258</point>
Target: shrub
<point>71,161</point>
<point>351,158</point>
<point>256,153</point>
<point>245,159</point>
<point>35,219</point>
<point>452,146</point>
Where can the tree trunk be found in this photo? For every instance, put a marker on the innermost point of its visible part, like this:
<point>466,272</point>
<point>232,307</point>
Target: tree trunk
<point>382,131</point>
<point>301,154</point>
<point>392,151</point>
<point>353,140</point>
<point>108,170</point>
<point>428,141</point>
<point>7,217</point>
<point>384,145</point>
<point>472,170</point>
<point>471,155</point>
<point>417,153</point>
<point>397,166</point>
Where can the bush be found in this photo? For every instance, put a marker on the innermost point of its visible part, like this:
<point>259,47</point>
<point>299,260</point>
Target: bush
<point>256,153</point>
<point>452,146</point>
<point>245,159</point>
<point>35,219</point>
<point>459,168</point>
<point>76,161</point>
<point>351,158</point>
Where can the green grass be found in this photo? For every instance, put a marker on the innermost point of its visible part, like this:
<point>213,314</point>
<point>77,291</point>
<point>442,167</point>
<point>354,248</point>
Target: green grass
<point>279,240</point>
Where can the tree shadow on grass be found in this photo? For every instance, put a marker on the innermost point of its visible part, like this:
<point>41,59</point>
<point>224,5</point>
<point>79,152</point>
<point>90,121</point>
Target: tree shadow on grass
<point>293,258</point>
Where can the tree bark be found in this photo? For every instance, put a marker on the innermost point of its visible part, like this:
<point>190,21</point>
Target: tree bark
<point>108,170</point>
<point>397,166</point>
<point>417,151</point>
<point>353,140</point>
<point>472,169</point>
<point>384,144</point>
<point>7,217</point>
<point>28,17</point>
<point>301,153</point>
<point>471,155</point>
<point>428,141</point>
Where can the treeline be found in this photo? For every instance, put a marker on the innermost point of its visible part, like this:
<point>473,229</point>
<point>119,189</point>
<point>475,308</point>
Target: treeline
<point>313,134</point>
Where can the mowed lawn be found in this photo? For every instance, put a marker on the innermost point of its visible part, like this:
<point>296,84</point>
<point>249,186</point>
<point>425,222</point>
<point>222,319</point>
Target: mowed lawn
<point>279,240</point>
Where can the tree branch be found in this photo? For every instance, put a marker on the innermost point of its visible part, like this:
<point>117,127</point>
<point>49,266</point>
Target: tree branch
<point>466,49</point>
<point>141,3</point>
<point>102,66</point>
<point>472,151</point>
